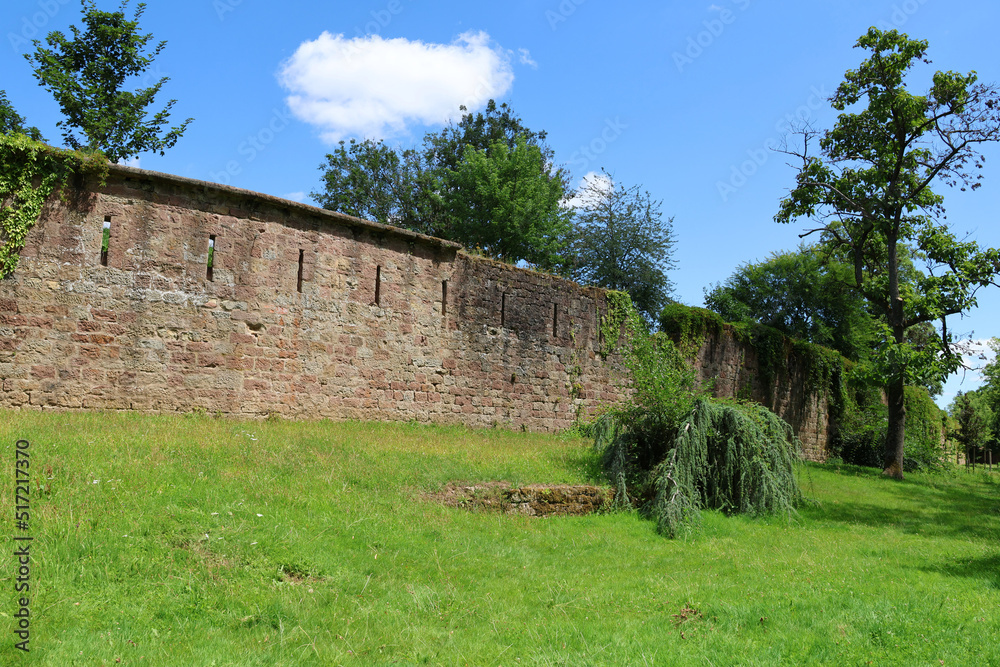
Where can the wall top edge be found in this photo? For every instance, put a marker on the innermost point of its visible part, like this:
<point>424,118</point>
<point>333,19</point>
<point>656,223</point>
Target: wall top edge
<point>124,171</point>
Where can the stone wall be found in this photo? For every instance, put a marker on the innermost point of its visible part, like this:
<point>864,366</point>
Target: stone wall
<point>307,313</point>
<point>733,367</point>
<point>304,313</point>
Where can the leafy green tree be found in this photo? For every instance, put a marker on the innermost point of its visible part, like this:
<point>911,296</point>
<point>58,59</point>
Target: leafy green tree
<point>487,182</point>
<point>975,418</point>
<point>807,295</point>
<point>869,189</point>
<point>11,121</point>
<point>370,180</point>
<point>502,202</point>
<point>87,75</point>
<point>803,294</point>
<point>445,150</point>
<point>621,242</point>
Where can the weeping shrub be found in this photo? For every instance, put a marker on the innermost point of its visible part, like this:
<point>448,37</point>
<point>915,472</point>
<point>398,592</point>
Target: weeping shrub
<point>635,436</point>
<point>673,451</point>
<point>734,457</point>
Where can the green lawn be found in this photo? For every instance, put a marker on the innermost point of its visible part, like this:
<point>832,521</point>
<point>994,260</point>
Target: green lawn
<point>196,541</point>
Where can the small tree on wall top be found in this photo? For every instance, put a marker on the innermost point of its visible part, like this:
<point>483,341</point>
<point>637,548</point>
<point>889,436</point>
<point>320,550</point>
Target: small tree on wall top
<point>869,188</point>
<point>87,75</point>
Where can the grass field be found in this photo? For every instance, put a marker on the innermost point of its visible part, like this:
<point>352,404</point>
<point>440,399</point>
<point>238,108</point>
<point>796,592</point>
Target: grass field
<point>196,541</point>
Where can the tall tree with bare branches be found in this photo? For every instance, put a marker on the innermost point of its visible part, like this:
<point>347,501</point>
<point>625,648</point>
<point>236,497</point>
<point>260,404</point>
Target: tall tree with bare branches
<point>869,189</point>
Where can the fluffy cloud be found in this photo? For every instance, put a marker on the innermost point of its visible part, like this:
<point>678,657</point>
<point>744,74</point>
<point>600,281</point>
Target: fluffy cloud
<point>374,87</point>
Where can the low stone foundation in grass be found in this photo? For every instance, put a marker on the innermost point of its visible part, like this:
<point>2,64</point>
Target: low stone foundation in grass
<point>531,500</point>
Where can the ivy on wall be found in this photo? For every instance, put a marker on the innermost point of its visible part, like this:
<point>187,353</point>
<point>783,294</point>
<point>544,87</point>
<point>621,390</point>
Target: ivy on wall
<point>857,411</point>
<point>30,172</point>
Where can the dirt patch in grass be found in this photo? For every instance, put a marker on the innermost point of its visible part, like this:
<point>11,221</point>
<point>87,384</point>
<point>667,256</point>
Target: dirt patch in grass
<point>531,500</point>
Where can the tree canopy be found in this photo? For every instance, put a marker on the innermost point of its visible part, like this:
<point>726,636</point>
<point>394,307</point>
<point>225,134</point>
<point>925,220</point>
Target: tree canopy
<point>487,182</point>
<point>11,121</point>
<point>803,294</point>
<point>502,201</point>
<point>621,242</point>
<point>87,75</point>
<point>869,189</point>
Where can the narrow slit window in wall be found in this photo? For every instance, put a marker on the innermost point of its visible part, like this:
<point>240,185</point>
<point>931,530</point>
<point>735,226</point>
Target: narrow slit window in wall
<point>105,240</point>
<point>555,320</point>
<point>444,298</point>
<point>597,324</point>
<point>302,258</point>
<point>378,285</point>
<point>503,310</point>
<point>211,258</point>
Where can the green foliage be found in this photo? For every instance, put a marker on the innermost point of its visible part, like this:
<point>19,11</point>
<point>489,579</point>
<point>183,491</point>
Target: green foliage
<point>372,181</point>
<point>614,321</point>
<point>669,445</point>
<point>975,416</point>
<point>861,421</point>
<point>31,173</point>
<point>87,75</point>
<point>635,435</point>
<point>924,431</point>
<point>621,242</point>
<point>870,192</point>
<point>503,200</point>
<point>487,183</point>
<point>802,294</point>
<point>689,325</point>
<point>733,457</point>
<point>12,122</point>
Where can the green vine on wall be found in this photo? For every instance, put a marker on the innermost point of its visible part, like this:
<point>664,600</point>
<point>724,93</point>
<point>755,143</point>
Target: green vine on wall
<point>619,310</point>
<point>30,172</point>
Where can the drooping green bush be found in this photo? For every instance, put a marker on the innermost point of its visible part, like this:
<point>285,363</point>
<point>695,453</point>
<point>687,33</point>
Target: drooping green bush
<point>734,457</point>
<point>673,451</point>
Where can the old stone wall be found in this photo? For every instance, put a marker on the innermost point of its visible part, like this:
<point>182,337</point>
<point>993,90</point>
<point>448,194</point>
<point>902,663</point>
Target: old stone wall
<point>307,313</point>
<point>733,366</point>
<point>303,313</point>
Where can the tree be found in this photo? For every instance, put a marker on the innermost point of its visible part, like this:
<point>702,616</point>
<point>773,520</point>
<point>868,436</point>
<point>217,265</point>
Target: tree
<point>11,121</point>
<point>803,294</point>
<point>869,189</point>
<point>621,242</point>
<point>487,182</point>
<point>370,180</point>
<point>501,202</point>
<point>87,74</point>
<point>975,419</point>
<point>445,150</point>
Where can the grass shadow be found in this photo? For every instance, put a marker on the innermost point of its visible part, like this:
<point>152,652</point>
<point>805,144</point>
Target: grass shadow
<point>918,507</point>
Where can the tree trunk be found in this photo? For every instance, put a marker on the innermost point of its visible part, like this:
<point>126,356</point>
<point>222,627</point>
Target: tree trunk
<point>892,459</point>
<point>895,435</point>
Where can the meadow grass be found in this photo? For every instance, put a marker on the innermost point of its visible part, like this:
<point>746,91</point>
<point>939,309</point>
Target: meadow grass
<point>201,541</point>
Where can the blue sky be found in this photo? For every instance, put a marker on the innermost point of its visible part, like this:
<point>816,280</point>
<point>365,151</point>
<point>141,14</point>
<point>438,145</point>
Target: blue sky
<point>683,98</point>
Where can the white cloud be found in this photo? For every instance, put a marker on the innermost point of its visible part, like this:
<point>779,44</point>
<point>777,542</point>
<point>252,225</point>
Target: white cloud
<point>524,57</point>
<point>296,196</point>
<point>131,162</point>
<point>373,87</point>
